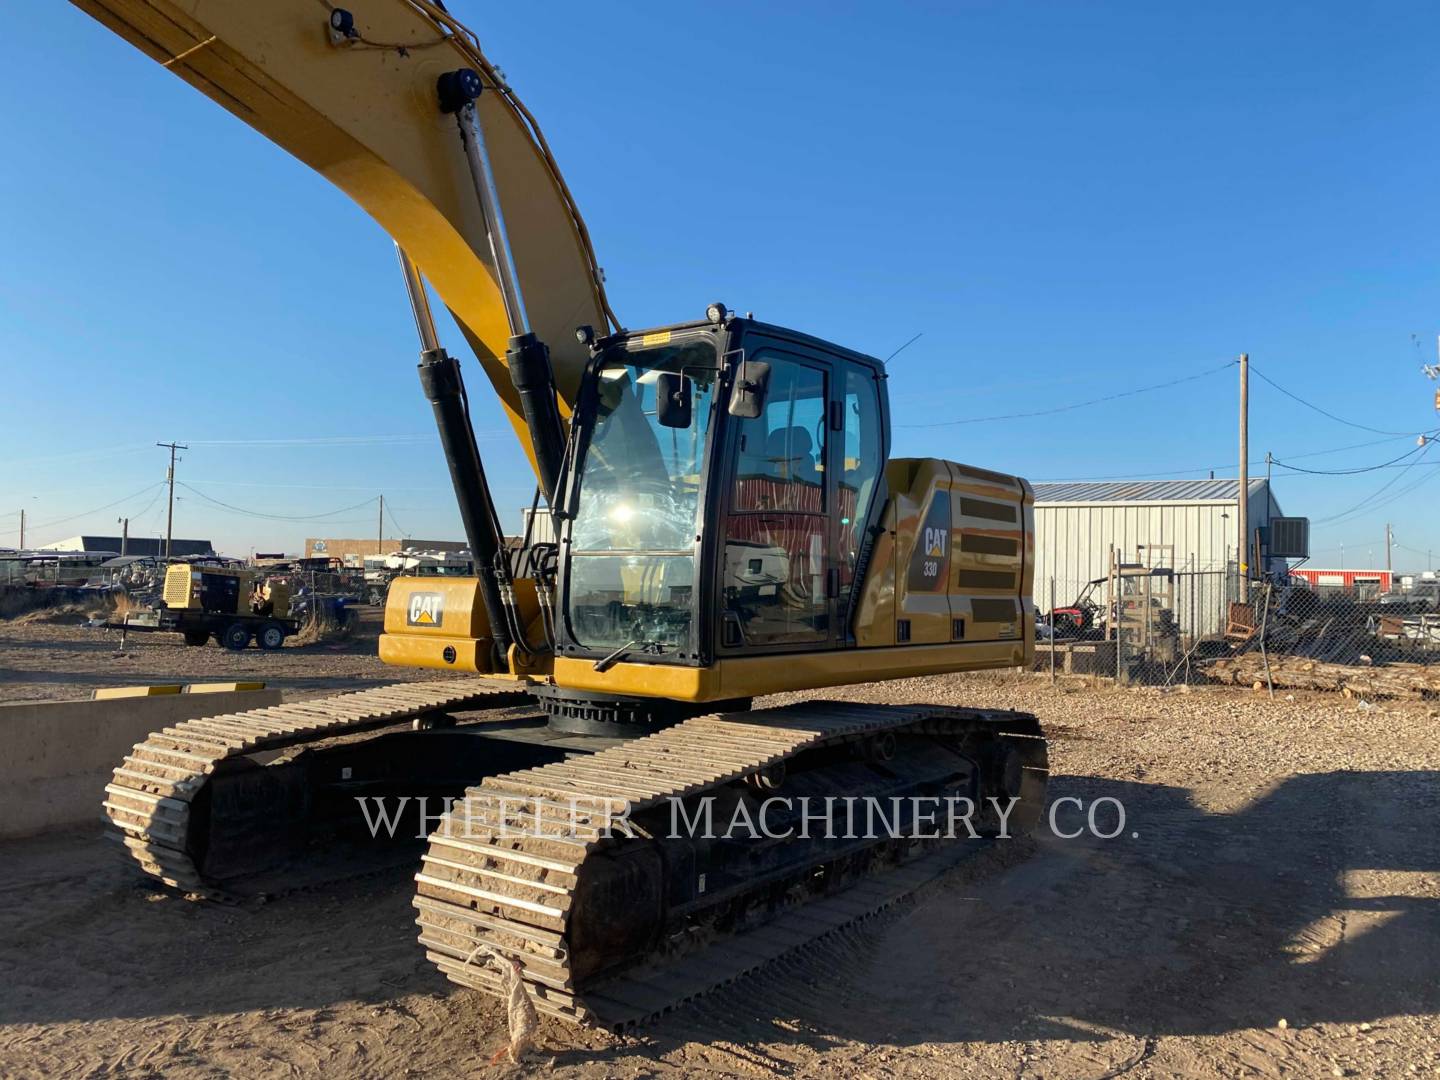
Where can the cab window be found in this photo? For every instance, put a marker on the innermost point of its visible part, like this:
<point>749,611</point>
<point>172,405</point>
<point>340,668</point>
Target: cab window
<point>777,538</point>
<point>782,451</point>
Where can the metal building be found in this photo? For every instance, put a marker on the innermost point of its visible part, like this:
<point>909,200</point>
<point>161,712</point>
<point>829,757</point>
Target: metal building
<point>1188,525</point>
<point>132,545</point>
<point>1358,582</point>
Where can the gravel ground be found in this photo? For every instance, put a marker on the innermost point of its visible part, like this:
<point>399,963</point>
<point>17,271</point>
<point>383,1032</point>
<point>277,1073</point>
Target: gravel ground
<point>1271,908</point>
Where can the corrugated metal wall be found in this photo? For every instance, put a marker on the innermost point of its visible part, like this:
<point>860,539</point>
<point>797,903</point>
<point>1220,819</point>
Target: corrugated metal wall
<point>1072,544</point>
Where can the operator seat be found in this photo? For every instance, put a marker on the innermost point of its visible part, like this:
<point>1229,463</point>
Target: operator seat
<point>790,454</point>
<point>780,505</point>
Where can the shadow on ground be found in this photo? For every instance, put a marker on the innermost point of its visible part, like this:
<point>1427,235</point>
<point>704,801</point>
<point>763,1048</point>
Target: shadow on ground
<point>1320,901</point>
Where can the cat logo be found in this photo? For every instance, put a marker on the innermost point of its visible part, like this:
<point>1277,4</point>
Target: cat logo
<point>425,609</point>
<point>930,559</point>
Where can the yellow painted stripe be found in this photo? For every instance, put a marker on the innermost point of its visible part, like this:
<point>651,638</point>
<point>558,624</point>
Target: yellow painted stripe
<point>110,693</point>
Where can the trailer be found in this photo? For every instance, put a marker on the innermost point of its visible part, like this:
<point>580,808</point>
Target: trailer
<point>230,605</point>
<point>233,631</point>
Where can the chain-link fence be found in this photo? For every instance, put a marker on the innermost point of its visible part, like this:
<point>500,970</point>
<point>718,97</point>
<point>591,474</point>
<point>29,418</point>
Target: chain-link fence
<point>1161,626</point>
<point>1289,635</point>
<point>42,572</point>
<point>33,582</point>
<point>1142,625</point>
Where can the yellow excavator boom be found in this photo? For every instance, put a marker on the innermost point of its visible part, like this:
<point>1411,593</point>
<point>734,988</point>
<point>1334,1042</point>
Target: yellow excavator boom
<point>359,105</point>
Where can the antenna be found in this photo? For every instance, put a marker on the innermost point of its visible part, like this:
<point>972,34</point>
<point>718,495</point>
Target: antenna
<point>902,348</point>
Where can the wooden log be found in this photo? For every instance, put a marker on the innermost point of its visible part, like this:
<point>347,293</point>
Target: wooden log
<point>1353,680</point>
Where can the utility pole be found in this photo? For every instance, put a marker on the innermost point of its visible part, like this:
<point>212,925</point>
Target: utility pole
<point>1389,543</point>
<point>380,530</point>
<point>170,478</point>
<point>124,536</point>
<point>22,528</point>
<point>1243,495</point>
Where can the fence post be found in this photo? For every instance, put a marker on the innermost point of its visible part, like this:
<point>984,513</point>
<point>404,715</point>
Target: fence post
<point>1117,613</point>
<point>1119,651</point>
<point>1052,629</point>
<point>1265,655</point>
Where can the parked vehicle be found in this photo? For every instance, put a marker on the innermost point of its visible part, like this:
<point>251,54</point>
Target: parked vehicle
<point>1423,596</point>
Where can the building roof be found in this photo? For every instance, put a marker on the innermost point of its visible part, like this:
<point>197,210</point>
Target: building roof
<point>1145,491</point>
<point>135,545</point>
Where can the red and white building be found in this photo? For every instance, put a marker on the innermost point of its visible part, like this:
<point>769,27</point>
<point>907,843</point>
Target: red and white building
<point>1362,583</point>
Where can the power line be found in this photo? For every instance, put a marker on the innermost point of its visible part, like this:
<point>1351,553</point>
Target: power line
<point>275,517</point>
<point>323,440</point>
<point>74,456</point>
<point>343,440</point>
<point>390,513</point>
<point>96,510</point>
<point>1354,545</point>
<point>1078,404</point>
<point>1187,473</point>
<point>1324,412</point>
<point>99,452</point>
<point>157,519</point>
<point>153,500</point>
<point>1373,502</point>
<point>311,487</point>
<point>1352,472</point>
<point>1368,504</point>
<point>1407,547</point>
<point>1347,446</point>
<point>1420,480</point>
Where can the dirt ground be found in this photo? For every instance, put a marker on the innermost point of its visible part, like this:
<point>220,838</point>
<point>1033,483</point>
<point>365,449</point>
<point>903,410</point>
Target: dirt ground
<point>1271,908</point>
<point>53,656</point>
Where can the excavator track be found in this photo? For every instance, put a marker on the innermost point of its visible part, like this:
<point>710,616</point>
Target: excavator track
<point>151,803</point>
<point>511,872</point>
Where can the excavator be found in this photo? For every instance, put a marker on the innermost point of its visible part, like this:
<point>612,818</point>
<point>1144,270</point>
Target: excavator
<point>722,521</point>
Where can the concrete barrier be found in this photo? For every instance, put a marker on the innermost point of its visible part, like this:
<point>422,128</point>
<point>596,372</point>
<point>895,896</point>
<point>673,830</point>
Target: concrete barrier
<point>58,755</point>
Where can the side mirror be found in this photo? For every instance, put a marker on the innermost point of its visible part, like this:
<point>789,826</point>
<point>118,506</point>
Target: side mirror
<point>674,400</point>
<point>747,400</point>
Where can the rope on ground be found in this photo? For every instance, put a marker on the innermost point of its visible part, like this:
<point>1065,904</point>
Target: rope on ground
<point>522,1019</point>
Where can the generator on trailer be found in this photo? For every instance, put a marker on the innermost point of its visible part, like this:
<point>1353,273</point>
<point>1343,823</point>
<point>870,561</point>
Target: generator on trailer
<point>729,523</point>
<point>233,606</point>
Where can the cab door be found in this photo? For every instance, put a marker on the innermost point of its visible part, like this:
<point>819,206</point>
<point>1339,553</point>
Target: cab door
<point>778,576</point>
<point>861,436</point>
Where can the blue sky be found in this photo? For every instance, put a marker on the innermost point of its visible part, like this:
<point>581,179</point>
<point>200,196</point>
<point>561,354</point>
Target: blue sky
<point>1066,200</point>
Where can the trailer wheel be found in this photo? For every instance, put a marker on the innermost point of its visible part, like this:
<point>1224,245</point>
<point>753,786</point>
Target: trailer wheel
<point>271,635</point>
<point>196,637</point>
<point>236,636</point>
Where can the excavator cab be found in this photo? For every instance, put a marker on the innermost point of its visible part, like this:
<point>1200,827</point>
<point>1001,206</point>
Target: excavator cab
<point>737,532</point>
<point>721,493</point>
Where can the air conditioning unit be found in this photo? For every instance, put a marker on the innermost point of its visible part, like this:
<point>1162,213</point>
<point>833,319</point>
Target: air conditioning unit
<point>1289,538</point>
